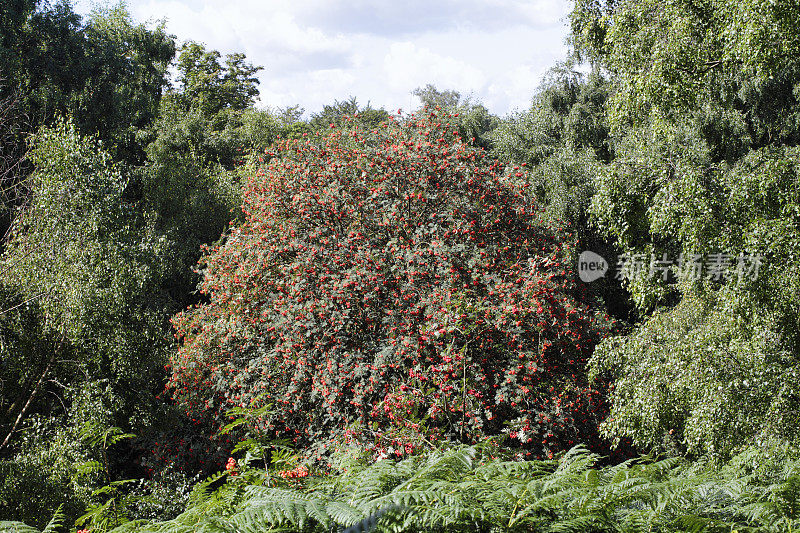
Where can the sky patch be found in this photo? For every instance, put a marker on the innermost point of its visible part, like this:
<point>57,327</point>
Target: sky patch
<point>317,51</point>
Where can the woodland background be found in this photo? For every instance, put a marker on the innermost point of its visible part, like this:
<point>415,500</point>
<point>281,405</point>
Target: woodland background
<point>374,320</point>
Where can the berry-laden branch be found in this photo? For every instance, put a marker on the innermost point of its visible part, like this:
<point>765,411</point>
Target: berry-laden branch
<point>368,261</point>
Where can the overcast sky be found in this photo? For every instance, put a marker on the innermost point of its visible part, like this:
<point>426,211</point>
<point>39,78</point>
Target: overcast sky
<point>316,51</point>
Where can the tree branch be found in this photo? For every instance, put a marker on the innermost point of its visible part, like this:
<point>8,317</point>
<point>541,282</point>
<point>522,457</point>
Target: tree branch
<point>31,397</point>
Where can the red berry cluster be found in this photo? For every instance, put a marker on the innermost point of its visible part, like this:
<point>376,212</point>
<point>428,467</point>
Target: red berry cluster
<point>297,472</point>
<point>389,280</point>
<point>230,467</point>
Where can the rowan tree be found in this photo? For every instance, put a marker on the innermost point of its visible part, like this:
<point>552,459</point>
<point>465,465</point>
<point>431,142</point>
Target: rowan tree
<point>392,287</point>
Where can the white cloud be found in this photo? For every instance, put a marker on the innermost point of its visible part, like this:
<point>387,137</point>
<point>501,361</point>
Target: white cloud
<point>544,12</point>
<point>316,51</point>
<point>514,89</point>
<point>408,66</point>
<point>248,23</point>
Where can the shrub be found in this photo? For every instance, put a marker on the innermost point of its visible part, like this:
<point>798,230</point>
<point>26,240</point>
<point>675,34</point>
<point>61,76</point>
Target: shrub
<point>392,287</point>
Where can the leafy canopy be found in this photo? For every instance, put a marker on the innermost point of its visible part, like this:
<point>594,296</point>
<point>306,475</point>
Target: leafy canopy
<point>390,286</point>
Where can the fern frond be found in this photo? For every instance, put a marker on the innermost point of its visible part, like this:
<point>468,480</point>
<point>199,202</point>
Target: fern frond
<point>10,526</point>
<point>202,490</point>
<point>574,525</point>
<point>56,522</point>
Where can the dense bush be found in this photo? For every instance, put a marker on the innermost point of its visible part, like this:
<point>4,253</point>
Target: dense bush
<point>44,475</point>
<point>393,286</point>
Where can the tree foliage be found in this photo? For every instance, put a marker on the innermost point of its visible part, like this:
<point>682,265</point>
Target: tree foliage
<point>392,283</point>
<point>665,56</point>
<point>108,73</point>
<point>388,286</point>
<point>78,279</point>
<point>341,111</point>
<point>704,128</point>
<point>474,122</point>
<point>204,83</point>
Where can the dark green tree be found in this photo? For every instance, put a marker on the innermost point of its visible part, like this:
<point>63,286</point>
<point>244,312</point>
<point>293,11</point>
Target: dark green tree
<point>108,73</point>
<point>210,86</point>
<point>336,113</point>
<point>126,75</point>
<point>703,117</point>
<point>43,55</point>
<point>206,130</point>
<point>563,141</point>
<point>474,122</point>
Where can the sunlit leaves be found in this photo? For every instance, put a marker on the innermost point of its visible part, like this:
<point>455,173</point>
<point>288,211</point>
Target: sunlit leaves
<point>389,285</point>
